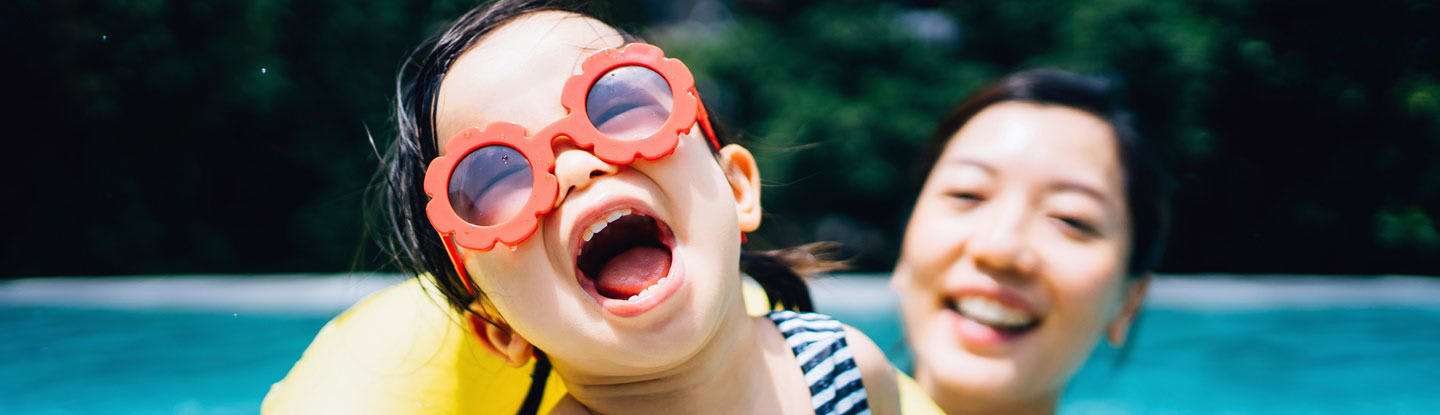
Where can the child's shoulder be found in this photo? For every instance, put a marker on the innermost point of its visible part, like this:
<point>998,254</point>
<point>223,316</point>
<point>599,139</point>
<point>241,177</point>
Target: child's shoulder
<point>400,351</point>
<point>843,367</point>
<point>888,391</point>
<point>881,383</point>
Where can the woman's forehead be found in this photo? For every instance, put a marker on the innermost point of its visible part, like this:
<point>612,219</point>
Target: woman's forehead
<point>516,72</point>
<point>1042,141</point>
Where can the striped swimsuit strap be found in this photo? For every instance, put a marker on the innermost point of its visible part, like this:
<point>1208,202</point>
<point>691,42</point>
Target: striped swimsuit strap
<point>827,362</point>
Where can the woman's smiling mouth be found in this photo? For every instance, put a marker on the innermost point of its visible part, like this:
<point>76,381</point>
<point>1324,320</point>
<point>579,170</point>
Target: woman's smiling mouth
<point>993,313</point>
<point>626,259</point>
<point>984,321</point>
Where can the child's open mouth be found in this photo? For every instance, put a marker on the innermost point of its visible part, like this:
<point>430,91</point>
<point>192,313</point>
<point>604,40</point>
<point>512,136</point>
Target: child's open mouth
<point>626,259</point>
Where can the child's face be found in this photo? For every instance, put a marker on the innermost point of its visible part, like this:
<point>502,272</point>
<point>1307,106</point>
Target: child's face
<point>568,292</point>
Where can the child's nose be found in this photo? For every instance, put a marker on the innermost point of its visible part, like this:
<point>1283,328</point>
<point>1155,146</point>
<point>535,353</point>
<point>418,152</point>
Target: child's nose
<point>577,168</point>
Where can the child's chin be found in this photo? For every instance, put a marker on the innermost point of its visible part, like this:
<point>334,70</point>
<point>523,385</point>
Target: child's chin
<point>646,355</point>
<point>677,339</point>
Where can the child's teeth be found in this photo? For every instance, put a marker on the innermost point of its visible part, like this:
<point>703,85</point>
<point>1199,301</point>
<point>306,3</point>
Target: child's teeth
<point>646,292</point>
<point>597,226</point>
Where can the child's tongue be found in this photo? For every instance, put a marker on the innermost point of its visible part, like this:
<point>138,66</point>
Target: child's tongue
<point>633,271</point>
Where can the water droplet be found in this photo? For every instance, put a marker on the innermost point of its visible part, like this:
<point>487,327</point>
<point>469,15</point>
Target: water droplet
<point>262,70</point>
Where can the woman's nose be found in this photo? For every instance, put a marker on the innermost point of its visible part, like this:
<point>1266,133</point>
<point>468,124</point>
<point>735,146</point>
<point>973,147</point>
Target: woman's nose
<point>1000,247</point>
<point>577,168</point>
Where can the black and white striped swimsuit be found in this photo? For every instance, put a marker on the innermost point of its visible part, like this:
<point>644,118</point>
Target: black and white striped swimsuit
<point>827,362</point>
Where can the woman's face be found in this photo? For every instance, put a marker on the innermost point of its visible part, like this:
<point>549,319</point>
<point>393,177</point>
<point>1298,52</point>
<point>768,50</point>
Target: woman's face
<point>668,215</point>
<point>1013,263</point>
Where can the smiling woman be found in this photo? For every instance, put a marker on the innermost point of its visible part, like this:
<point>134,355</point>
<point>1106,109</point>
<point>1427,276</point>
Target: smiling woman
<point>1033,237</point>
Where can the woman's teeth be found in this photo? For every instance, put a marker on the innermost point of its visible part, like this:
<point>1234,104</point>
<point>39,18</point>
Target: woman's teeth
<point>600,225</point>
<point>646,292</point>
<point>992,313</point>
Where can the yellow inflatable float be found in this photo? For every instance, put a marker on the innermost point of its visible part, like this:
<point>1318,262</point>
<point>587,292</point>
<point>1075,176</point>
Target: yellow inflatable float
<point>401,351</point>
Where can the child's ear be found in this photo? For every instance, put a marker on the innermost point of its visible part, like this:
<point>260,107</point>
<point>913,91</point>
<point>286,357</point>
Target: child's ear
<point>744,177</point>
<point>497,337</point>
<point>1134,294</point>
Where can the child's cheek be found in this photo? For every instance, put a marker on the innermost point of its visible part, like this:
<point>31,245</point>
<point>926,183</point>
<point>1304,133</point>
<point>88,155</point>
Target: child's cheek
<point>506,271</point>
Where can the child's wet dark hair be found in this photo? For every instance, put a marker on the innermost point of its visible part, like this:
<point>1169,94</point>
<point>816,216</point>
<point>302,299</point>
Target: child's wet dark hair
<point>1147,185</point>
<point>398,198</point>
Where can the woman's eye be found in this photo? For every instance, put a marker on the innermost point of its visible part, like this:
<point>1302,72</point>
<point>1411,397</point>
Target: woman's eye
<point>1081,225</point>
<point>966,196</point>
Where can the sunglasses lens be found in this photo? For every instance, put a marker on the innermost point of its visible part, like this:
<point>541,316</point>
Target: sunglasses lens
<point>629,103</point>
<point>490,185</point>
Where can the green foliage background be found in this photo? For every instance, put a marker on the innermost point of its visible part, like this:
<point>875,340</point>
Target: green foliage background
<point>202,136</point>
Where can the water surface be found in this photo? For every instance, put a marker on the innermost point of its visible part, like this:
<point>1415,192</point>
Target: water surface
<point>161,350</point>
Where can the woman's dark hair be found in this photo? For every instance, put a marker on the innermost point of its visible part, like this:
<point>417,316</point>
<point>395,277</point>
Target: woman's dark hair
<point>1147,185</point>
<point>398,199</point>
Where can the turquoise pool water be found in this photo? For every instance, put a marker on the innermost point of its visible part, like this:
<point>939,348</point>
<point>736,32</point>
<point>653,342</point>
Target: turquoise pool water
<point>105,361</point>
<point>1186,360</point>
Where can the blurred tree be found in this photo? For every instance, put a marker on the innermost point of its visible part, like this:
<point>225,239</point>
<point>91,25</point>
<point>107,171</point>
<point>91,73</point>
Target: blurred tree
<point>1302,132</point>
<point>182,136</point>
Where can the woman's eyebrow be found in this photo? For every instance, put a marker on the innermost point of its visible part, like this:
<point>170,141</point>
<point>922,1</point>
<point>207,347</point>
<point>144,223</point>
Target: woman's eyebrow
<point>967,161</point>
<point>1083,188</point>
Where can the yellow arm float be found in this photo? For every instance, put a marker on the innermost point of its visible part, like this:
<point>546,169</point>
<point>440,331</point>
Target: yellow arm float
<point>402,351</point>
